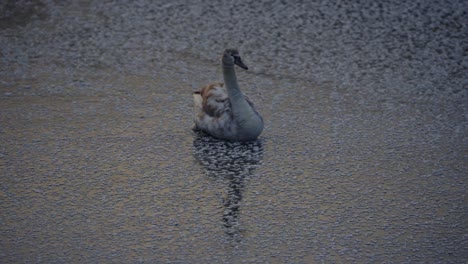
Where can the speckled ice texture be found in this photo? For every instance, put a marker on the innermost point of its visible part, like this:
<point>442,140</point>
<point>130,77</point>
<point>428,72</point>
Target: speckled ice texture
<point>363,158</point>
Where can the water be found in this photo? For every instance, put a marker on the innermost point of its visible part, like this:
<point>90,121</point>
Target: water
<point>361,160</point>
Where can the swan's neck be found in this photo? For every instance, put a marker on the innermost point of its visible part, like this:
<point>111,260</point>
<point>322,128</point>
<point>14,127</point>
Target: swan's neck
<point>238,103</point>
<point>250,124</point>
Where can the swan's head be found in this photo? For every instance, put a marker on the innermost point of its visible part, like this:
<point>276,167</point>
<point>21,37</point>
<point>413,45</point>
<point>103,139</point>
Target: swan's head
<point>231,57</point>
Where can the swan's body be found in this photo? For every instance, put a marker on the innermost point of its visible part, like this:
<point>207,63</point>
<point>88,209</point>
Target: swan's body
<point>222,110</point>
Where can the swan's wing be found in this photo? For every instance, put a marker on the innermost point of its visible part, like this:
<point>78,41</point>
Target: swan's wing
<point>215,100</point>
<point>212,111</point>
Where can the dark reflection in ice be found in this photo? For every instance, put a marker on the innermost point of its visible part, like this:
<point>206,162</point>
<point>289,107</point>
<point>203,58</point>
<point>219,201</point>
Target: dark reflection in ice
<point>233,162</point>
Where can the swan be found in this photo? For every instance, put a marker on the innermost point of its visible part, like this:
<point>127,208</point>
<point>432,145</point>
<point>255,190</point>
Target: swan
<point>222,110</point>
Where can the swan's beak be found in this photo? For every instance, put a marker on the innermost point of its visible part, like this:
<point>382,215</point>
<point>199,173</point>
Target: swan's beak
<point>238,62</point>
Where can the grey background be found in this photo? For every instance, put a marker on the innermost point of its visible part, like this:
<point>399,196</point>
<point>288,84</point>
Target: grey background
<point>363,158</point>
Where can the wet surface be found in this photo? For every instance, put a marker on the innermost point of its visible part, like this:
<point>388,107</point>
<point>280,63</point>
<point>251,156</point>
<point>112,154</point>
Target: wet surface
<point>363,156</point>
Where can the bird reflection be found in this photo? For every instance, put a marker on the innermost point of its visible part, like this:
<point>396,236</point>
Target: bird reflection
<point>233,161</point>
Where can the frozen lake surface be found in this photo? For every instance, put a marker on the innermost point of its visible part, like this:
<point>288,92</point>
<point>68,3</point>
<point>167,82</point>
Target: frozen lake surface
<point>362,160</point>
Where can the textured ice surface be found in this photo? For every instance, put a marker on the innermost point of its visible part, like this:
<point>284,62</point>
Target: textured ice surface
<point>363,156</point>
